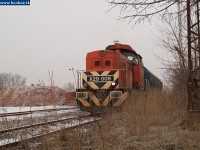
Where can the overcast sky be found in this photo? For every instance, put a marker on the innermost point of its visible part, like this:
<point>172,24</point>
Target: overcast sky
<point>52,35</point>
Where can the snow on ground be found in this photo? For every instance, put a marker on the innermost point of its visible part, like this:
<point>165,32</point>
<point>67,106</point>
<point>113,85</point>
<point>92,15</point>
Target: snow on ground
<point>41,130</point>
<point>38,131</point>
<point>4,110</point>
<point>21,109</point>
<point>7,141</point>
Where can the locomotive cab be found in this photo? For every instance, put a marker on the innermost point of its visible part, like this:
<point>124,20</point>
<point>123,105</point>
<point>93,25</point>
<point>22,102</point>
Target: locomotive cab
<point>137,69</point>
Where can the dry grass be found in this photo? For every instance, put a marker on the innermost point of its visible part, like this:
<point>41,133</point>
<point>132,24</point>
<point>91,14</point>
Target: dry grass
<point>145,117</point>
<point>157,120</point>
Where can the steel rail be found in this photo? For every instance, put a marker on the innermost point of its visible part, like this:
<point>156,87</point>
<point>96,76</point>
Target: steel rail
<point>16,143</point>
<point>33,111</point>
<point>40,124</point>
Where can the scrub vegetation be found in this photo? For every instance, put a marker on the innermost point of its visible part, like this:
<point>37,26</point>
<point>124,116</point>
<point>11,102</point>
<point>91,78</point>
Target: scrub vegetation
<point>147,121</point>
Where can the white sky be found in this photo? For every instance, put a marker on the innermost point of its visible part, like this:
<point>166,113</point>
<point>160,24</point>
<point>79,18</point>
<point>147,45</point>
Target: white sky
<point>52,35</point>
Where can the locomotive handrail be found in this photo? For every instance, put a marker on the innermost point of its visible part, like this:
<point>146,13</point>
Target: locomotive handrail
<point>79,81</point>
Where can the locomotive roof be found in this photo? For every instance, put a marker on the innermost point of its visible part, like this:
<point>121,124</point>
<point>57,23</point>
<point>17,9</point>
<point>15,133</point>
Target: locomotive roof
<point>122,47</point>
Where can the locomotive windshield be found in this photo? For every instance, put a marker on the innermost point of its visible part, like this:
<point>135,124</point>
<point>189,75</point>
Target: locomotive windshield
<point>131,57</point>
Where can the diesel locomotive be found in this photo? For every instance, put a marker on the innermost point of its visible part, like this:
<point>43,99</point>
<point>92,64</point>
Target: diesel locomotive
<point>110,75</point>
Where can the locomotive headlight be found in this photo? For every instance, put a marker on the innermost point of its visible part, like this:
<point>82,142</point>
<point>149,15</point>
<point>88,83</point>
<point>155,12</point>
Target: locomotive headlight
<point>113,83</point>
<point>102,53</point>
<point>85,84</point>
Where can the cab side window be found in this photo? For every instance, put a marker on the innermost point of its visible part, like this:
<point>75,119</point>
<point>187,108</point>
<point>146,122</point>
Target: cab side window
<point>133,59</point>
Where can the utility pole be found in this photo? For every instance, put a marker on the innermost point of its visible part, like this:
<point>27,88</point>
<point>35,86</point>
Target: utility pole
<point>75,83</point>
<point>193,28</point>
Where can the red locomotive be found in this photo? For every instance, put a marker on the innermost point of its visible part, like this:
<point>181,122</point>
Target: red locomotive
<point>110,74</point>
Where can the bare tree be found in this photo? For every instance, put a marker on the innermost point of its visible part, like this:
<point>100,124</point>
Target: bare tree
<point>174,57</point>
<point>9,80</point>
<point>51,78</point>
<point>172,32</point>
<point>69,86</point>
<point>141,10</point>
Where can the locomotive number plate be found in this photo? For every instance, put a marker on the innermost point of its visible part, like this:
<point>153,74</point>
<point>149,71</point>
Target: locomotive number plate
<point>100,78</point>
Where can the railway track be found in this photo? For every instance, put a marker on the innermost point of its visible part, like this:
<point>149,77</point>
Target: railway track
<point>43,129</point>
<point>34,111</point>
